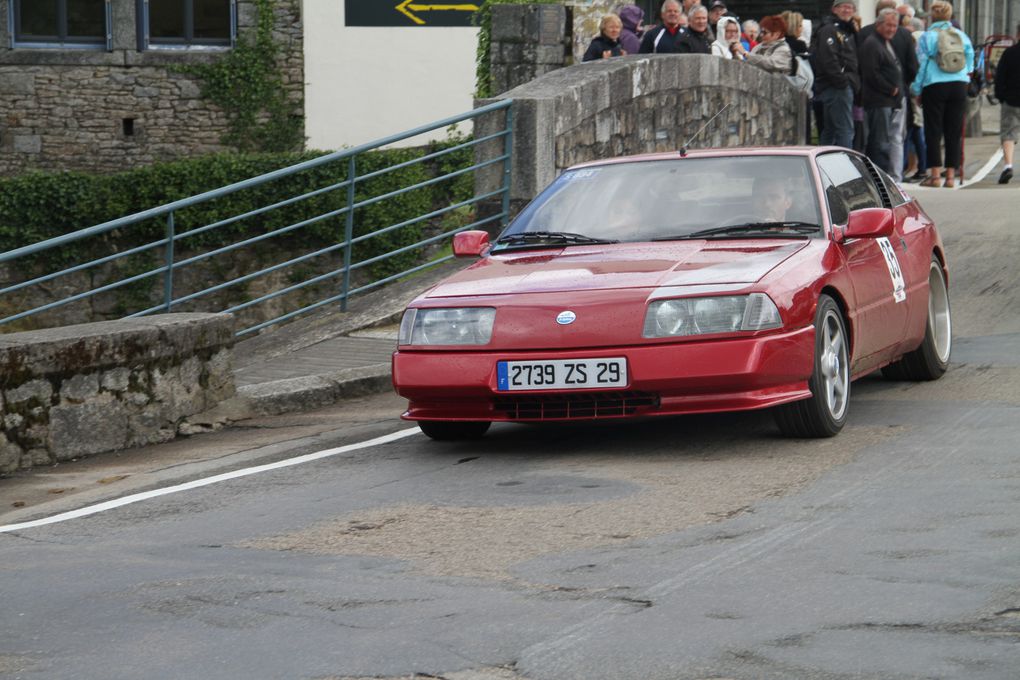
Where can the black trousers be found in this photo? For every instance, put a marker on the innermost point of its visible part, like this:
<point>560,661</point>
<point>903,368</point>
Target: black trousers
<point>944,106</point>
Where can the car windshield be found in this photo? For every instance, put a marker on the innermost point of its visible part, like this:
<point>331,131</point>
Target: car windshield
<point>719,198</point>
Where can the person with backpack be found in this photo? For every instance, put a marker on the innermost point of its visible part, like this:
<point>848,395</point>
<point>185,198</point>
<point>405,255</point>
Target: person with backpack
<point>946,57</point>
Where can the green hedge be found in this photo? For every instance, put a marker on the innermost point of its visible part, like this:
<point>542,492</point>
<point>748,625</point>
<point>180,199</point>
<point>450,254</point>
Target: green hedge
<point>37,206</point>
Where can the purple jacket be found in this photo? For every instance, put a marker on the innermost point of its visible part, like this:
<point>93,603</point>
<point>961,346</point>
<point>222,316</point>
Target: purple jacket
<point>630,39</point>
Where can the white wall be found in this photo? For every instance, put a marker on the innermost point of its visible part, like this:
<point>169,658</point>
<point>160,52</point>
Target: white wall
<point>365,83</point>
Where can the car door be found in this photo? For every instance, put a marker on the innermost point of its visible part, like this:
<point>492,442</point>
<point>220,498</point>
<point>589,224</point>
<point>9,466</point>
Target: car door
<point>873,264</point>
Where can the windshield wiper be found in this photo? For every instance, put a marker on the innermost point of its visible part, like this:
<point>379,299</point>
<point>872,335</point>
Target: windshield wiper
<point>775,229</point>
<point>549,238</point>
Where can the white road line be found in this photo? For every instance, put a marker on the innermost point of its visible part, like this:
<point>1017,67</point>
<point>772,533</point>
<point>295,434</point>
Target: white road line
<point>983,172</point>
<point>146,495</point>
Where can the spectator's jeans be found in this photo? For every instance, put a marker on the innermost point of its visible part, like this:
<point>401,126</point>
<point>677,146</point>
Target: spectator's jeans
<point>838,126</point>
<point>880,131</point>
<point>915,142</point>
<point>897,135</point>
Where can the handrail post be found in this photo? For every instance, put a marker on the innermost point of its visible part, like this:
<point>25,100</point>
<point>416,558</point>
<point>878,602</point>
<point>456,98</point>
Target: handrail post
<point>168,275</point>
<point>348,231</point>
<point>508,146</point>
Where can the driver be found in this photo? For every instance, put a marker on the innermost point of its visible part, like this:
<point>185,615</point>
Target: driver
<point>771,198</point>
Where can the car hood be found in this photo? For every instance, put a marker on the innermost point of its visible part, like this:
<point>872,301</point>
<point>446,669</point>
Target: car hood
<point>643,265</point>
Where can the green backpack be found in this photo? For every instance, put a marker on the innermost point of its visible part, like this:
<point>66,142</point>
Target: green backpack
<point>949,54</point>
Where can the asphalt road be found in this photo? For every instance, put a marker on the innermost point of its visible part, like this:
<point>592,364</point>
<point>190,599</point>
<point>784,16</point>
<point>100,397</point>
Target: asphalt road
<point>698,547</point>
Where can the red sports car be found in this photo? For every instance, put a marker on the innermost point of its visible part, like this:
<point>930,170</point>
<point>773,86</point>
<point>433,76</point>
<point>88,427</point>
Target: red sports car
<point>716,280</point>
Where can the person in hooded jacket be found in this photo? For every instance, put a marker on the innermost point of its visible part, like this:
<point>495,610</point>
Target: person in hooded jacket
<point>729,32</point>
<point>607,43</point>
<point>630,36</point>
<point>834,62</point>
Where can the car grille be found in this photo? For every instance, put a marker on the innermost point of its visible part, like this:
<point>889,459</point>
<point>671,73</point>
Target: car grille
<point>574,405</point>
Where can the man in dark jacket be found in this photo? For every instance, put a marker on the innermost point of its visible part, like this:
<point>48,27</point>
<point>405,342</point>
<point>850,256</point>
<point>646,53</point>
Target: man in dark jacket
<point>904,47</point>
<point>881,89</point>
<point>1007,91</point>
<point>663,39</point>
<point>834,61</point>
<point>696,39</point>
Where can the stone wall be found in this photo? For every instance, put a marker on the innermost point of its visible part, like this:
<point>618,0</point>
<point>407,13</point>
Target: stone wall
<point>78,390</point>
<point>637,104</point>
<point>527,41</point>
<point>65,109</point>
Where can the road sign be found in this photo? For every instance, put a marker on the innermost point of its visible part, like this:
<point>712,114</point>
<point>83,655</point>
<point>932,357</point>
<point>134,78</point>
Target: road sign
<point>408,13</point>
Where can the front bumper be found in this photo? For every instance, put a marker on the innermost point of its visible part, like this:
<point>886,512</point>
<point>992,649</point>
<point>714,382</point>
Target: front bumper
<point>688,376</point>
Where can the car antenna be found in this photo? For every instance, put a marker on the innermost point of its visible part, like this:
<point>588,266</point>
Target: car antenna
<point>683,149</point>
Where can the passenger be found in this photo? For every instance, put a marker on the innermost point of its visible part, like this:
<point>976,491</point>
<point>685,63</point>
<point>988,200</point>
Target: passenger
<point>697,39</point>
<point>771,197</point>
<point>729,33</point>
<point>943,96</point>
<point>772,53</point>
<point>607,43</point>
<point>630,36</point>
<point>663,39</point>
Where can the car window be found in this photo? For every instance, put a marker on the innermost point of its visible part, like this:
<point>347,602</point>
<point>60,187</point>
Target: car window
<point>850,179</point>
<point>646,200</point>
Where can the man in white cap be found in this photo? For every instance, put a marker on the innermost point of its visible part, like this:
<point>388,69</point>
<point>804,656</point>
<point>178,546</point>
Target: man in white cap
<point>834,61</point>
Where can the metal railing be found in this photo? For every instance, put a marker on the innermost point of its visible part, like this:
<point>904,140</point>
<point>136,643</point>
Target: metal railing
<point>173,238</point>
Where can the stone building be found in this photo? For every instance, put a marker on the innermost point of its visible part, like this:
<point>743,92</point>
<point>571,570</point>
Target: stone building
<point>97,85</point>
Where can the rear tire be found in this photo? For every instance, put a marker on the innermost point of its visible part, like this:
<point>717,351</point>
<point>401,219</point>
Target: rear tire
<point>824,413</point>
<point>930,360</point>
<point>453,430</point>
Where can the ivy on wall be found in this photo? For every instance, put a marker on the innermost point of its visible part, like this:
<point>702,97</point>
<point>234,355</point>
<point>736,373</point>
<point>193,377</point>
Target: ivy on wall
<point>247,85</point>
<point>483,19</point>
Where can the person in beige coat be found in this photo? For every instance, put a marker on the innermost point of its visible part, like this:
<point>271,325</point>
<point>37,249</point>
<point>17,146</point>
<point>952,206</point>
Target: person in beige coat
<point>772,53</point>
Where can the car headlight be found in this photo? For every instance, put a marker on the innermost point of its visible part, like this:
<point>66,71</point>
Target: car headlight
<point>704,315</point>
<point>447,326</point>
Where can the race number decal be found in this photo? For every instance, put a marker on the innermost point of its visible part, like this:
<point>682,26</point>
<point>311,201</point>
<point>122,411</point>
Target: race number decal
<point>899,287</point>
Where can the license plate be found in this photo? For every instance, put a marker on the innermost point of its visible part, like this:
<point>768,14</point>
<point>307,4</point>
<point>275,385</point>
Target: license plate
<point>561,374</point>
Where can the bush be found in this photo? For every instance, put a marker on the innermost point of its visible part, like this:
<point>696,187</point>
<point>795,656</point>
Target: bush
<point>37,206</point>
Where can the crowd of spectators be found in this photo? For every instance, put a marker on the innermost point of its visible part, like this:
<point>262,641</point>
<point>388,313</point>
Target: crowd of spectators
<point>895,89</point>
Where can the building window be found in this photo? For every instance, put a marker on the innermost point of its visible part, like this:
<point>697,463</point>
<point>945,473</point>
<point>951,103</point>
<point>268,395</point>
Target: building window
<point>60,23</point>
<point>188,23</point>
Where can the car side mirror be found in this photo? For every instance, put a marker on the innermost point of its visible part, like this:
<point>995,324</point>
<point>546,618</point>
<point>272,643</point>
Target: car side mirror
<point>470,243</point>
<point>868,223</point>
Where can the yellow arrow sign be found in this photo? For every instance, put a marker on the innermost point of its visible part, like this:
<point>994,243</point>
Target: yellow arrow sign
<point>408,8</point>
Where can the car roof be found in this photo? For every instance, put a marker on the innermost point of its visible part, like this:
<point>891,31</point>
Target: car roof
<point>734,152</point>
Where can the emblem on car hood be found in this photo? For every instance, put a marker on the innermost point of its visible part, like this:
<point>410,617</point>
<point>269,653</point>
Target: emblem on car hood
<point>565,317</point>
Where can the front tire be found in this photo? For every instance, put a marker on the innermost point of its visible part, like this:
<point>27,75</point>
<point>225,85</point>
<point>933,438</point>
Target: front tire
<point>931,359</point>
<point>453,430</point>
<point>824,413</point>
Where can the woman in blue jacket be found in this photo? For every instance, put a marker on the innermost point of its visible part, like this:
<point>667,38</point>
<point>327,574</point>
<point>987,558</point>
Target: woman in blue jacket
<point>943,93</point>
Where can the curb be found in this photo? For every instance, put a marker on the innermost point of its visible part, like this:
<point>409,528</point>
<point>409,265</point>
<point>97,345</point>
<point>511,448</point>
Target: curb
<point>314,391</point>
